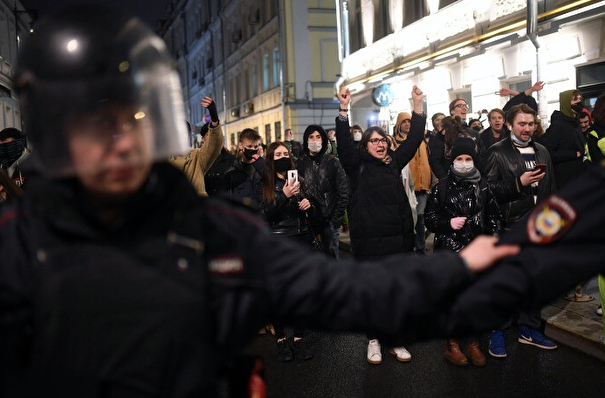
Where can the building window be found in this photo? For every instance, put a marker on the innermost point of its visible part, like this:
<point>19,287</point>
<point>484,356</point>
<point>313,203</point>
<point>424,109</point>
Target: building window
<point>266,71</point>
<point>275,66</point>
<point>277,131</point>
<point>267,133</point>
<point>254,80</point>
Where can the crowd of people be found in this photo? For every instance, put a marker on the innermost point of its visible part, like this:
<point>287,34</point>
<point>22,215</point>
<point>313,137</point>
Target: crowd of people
<point>119,278</point>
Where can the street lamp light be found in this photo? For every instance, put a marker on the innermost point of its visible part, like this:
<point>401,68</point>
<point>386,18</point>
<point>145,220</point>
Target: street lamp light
<point>33,13</point>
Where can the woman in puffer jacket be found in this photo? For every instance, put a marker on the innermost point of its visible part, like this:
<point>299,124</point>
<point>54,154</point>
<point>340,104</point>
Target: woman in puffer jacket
<point>460,207</point>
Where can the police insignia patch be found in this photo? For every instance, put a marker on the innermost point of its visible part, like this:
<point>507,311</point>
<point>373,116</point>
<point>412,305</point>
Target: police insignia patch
<point>550,220</point>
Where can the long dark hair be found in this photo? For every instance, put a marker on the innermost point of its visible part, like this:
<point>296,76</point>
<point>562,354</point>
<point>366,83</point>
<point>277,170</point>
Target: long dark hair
<point>9,187</point>
<point>269,173</point>
<point>598,113</point>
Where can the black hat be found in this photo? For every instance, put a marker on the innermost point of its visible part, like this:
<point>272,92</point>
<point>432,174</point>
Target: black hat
<point>463,146</point>
<point>10,132</point>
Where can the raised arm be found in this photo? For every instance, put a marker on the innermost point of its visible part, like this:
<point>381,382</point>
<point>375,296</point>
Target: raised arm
<point>407,149</point>
<point>348,152</point>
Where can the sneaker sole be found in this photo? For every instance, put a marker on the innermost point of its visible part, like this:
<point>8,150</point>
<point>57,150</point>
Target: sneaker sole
<point>374,362</point>
<point>497,355</point>
<point>399,358</point>
<point>523,341</point>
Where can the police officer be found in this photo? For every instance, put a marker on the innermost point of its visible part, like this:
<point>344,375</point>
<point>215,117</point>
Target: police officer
<point>116,279</point>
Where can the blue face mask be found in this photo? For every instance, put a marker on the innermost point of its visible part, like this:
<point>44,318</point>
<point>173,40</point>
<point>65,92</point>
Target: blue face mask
<point>519,142</point>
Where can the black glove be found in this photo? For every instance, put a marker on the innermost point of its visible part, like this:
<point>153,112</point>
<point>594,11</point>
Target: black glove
<point>213,112</point>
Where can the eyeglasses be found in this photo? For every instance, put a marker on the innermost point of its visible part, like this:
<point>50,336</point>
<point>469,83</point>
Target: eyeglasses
<point>376,141</point>
<point>461,106</point>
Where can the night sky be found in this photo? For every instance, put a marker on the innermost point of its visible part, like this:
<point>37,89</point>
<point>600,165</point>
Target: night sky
<point>148,10</point>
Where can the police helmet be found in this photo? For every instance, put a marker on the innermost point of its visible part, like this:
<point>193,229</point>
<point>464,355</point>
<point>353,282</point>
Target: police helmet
<point>86,58</point>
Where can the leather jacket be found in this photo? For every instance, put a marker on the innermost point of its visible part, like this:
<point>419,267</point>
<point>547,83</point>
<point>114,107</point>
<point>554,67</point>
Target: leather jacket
<point>503,170</point>
<point>283,215</point>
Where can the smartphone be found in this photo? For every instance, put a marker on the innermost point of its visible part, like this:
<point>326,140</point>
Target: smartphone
<point>292,176</point>
<point>540,166</point>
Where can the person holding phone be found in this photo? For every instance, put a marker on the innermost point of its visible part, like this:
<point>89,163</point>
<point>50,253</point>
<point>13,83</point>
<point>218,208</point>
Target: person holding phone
<point>519,172</point>
<point>285,210</point>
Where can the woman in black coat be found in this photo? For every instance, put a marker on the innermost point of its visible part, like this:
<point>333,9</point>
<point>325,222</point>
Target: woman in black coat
<point>285,210</point>
<point>380,216</point>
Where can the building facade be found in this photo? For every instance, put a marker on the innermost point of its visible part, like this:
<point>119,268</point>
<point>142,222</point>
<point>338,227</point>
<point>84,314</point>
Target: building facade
<point>268,64</point>
<point>467,49</point>
<point>15,24</point>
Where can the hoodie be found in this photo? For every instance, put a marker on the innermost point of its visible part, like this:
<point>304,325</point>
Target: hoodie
<point>324,140</point>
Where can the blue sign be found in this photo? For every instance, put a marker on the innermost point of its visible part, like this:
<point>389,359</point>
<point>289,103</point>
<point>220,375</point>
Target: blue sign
<point>207,118</point>
<point>383,95</point>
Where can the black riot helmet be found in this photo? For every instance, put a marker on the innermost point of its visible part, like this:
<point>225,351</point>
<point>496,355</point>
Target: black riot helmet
<point>87,58</point>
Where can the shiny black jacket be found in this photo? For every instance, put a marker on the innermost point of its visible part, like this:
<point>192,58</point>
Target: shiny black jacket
<point>380,217</point>
<point>453,197</point>
<point>326,185</point>
<point>283,215</point>
<point>563,139</point>
<point>503,170</point>
<point>154,303</point>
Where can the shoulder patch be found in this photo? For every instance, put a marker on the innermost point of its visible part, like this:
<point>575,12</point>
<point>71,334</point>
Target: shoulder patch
<point>550,220</point>
<point>226,265</point>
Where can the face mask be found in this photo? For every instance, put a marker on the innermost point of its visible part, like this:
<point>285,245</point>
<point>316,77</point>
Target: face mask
<point>282,164</point>
<point>477,128</point>
<point>463,167</point>
<point>10,152</point>
<point>357,136</point>
<point>578,107</point>
<point>519,142</point>
<point>249,153</point>
<point>314,146</point>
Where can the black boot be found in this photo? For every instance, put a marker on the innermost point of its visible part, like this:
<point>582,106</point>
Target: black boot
<point>301,350</point>
<point>284,350</point>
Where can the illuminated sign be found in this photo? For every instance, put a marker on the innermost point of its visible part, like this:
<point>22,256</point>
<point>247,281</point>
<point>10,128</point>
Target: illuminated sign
<point>383,95</point>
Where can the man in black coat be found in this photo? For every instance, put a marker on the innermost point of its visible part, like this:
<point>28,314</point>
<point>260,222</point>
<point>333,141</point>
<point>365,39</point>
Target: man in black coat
<point>518,183</point>
<point>326,186</point>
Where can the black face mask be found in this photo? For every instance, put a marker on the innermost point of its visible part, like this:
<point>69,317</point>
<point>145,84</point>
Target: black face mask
<point>11,151</point>
<point>249,153</point>
<point>282,165</point>
<point>578,108</point>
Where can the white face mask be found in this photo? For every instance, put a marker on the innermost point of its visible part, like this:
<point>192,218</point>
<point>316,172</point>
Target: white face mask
<point>357,136</point>
<point>314,146</point>
<point>463,167</point>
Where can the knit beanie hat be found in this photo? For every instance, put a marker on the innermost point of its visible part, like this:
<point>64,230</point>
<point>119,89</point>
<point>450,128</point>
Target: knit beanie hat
<point>463,146</point>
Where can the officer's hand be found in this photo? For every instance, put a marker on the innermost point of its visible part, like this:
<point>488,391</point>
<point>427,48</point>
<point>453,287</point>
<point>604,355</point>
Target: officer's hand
<point>304,204</point>
<point>482,253</point>
<point>291,190</point>
<point>457,222</point>
<point>529,177</point>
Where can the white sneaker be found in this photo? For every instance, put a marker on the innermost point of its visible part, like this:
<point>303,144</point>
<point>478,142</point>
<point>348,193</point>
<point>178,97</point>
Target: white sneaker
<point>401,353</point>
<point>599,310</point>
<point>374,354</point>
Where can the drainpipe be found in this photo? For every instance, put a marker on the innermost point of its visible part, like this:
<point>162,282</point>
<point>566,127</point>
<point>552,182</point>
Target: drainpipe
<point>282,86</point>
<point>532,34</point>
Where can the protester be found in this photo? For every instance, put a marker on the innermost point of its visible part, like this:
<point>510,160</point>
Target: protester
<point>286,210</point>
<point>198,161</point>
<point>461,207</point>
<point>326,186</point>
<point>380,216</point>
<point>13,152</point>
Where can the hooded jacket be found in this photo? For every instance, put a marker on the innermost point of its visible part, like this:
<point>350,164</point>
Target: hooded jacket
<point>325,182</point>
<point>564,139</point>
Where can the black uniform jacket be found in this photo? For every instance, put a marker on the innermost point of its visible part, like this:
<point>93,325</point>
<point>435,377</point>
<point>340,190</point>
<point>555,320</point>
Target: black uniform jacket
<point>152,305</point>
<point>563,244</point>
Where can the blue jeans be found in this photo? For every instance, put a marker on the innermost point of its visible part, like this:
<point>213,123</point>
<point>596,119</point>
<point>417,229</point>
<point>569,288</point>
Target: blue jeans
<point>420,243</point>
